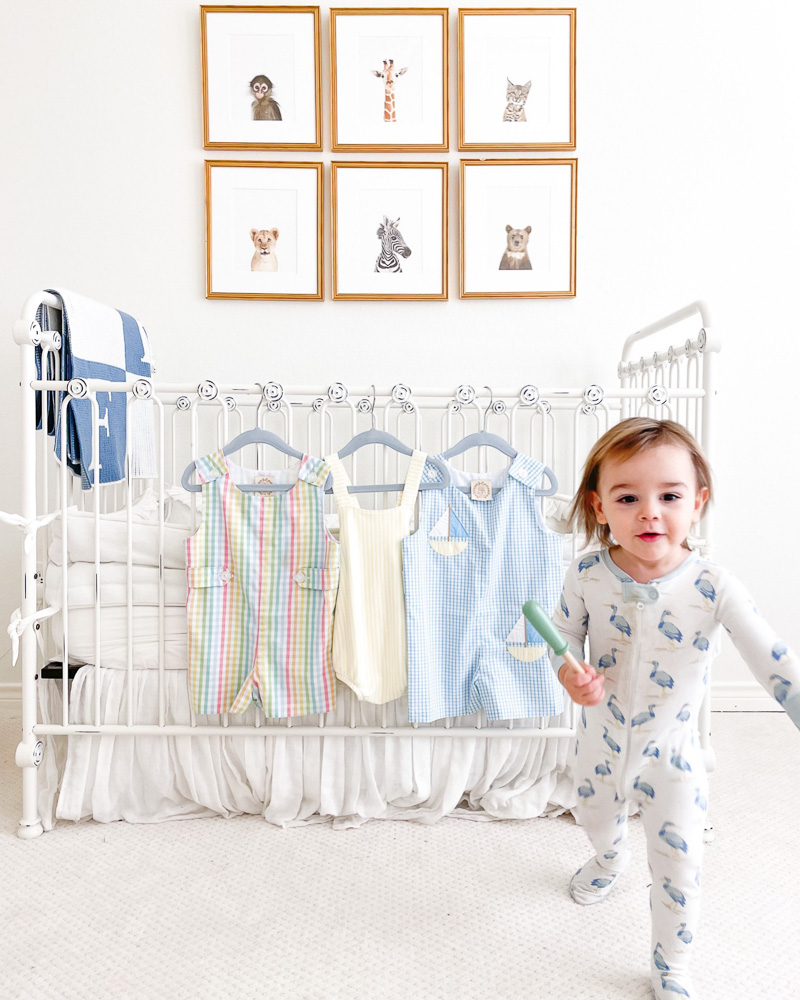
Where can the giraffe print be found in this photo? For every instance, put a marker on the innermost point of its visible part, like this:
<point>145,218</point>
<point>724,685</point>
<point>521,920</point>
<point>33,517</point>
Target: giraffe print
<point>389,74</point>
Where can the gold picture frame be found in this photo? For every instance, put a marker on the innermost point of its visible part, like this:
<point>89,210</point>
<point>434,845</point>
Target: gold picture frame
<point>389,230</point>
<point>260,217</point>
<point>258,91</point>
<point>516,79</point>
<point>406,109</point>
<point>518,228</point>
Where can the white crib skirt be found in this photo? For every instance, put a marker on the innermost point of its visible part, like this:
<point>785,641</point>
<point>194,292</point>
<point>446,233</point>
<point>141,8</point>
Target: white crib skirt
<point>290,780</point>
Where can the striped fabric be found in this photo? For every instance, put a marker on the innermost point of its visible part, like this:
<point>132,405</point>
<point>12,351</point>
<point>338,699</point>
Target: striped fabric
<point>262,574</point>
<point>369,639</point>
<point>468,645</point>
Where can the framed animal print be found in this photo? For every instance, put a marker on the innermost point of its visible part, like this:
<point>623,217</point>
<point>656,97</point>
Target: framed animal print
<point>516,79</point>
<point>389,80</point>
<point>261,77</point>
<point>263,230</point>
<point>389,230</point>
<point>518,228</point>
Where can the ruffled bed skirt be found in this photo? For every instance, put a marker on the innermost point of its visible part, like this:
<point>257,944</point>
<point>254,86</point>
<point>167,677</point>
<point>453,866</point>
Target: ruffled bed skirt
<point>289,780</point>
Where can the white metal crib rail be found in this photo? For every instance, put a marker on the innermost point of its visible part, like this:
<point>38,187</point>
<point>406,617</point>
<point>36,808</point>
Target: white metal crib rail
<point>555,425</point>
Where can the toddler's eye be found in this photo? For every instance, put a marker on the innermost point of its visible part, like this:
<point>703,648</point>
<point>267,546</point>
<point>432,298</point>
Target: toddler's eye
<point>626,499</point>
<point>671,496</point>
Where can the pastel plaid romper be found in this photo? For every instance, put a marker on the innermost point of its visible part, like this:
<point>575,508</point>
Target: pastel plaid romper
<point>262,574</point>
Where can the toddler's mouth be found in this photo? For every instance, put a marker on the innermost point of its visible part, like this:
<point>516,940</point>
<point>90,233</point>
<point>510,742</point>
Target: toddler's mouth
<point>649,536</point>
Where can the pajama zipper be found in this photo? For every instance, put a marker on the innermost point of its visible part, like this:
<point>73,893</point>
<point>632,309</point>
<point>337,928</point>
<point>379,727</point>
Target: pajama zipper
<point>631,704</point>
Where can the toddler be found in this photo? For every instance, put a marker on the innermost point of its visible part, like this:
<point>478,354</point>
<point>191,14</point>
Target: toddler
<point>652,610</point>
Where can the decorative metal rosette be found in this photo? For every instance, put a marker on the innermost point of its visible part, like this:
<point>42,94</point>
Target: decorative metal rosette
<point>498,406</point>
<point>545,406</point>
<point>318,403</point>
<point>409,406</point>
<point>142,388</point>
<point>230,402</point>
<point>687,347</point>
<point>337,393</point>
<point>642,364</point>
<point>465,394</point>
<point>670,354</point>
<point>593,395</point>
<point>35,333</point>
<point>272,392</point>
<point>207,389</point>
<point>529,395</point>
<point>621,373</point>
<point>702,339</point>
<point>454,406</point>
<point>364,405</point>
<point>655,359</point>
<point>657,395</point>
<point>183,403</point>
<point>400,393</point>
<point>77,388</point>
<point>588,408</point>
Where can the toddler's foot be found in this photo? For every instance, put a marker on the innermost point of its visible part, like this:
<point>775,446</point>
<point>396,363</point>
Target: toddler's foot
<point>672,986</point>
<point>592,883</point>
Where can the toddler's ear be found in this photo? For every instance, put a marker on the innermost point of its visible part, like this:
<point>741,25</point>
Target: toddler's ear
<point>699,503</point>
<point>597,506</point>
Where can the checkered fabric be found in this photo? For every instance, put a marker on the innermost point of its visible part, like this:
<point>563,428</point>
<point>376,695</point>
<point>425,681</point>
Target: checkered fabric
<point>464,601</point>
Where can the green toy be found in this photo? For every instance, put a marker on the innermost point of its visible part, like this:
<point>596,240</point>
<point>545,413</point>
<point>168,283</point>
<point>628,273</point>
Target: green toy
<point>547,630</point>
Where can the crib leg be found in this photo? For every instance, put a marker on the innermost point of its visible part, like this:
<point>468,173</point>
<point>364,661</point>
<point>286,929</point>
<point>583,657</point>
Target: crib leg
<point>29,757</point>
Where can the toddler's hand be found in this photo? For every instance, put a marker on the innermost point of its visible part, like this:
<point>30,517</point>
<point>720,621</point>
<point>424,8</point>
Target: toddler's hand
<point>584,688</point>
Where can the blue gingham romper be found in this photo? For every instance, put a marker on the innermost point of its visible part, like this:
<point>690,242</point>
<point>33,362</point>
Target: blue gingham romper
<point>467,571</point>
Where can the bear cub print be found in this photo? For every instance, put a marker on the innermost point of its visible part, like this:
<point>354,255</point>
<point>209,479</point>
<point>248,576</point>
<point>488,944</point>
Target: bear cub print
<point>516,257</point>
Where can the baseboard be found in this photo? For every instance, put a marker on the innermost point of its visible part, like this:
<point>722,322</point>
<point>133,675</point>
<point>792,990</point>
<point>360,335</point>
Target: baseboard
<point>741,696</point>
<point>726,696</point>
<point>11,695</point>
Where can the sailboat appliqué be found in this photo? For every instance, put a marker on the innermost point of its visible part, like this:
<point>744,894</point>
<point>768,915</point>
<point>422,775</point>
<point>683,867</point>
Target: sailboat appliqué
<point>448,536</point>
<point>524,643</point>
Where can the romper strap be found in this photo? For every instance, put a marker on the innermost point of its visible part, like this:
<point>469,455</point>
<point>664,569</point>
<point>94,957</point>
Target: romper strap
<point>340,482</point>
<point>413,477</point>
<point>211,466</point>
<point>313,471</point>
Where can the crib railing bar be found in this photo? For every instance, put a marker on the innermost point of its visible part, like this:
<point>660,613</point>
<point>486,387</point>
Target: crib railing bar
<point>479,731</point>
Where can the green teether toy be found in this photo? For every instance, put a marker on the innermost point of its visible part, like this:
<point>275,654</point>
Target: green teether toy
<point>547,630</point>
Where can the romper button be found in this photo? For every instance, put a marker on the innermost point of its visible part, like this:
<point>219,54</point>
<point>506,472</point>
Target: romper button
<point>640,605</point>
<point>654,593</point>
<point>226,575</point>
<point>299,578</point>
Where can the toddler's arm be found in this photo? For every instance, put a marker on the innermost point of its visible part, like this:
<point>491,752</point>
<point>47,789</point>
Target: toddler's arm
<point>772,663</point>
<point>571,619</point>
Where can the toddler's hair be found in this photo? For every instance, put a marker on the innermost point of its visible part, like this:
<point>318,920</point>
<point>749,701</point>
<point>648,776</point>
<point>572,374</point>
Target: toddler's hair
<point>623,441</point>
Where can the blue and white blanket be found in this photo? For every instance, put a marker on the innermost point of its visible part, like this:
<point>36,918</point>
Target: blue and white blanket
<point>101,343</point>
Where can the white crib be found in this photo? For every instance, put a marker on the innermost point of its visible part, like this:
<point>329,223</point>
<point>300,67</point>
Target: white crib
<point>107,729</point>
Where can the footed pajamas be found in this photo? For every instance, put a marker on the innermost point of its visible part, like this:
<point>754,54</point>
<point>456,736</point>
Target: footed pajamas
<point>654,643</point>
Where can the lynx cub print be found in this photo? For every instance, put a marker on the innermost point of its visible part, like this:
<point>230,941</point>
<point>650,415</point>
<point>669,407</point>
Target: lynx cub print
<point>516,96</point>
<point>264,258</point>
<point>516,256</point>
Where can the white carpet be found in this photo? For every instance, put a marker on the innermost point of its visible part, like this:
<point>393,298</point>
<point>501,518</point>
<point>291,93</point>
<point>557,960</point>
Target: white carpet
<point>237,909</point>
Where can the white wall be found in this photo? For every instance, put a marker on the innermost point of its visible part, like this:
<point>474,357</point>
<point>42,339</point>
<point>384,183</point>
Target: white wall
<point>688,158</point>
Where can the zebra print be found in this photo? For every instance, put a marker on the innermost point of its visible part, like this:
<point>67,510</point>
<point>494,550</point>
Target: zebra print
<point>392,244</point>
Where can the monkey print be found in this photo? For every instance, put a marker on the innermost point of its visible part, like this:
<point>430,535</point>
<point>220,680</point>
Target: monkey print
<point>265,107</point>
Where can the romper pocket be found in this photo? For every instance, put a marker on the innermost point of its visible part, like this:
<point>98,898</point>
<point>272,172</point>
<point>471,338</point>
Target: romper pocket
<point>448,536</point>
<point>199,577</point>
<point>317,578</point>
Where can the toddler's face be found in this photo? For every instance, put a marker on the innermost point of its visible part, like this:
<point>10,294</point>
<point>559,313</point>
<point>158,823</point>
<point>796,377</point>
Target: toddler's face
<point>650,501</point>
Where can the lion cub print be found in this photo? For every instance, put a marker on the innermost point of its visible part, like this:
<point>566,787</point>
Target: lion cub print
<point>264,259</point>
<point>516,256</point>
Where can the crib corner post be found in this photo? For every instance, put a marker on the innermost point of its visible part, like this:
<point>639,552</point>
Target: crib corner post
<point>28,757</point>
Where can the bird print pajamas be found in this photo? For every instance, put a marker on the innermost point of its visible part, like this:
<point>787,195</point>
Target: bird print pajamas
<point>654,643</point>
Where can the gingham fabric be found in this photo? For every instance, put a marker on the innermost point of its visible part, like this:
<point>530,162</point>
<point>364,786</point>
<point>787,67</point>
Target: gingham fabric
<point>464,601</point>
<point>262,576</point>
<point>369,641</point>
